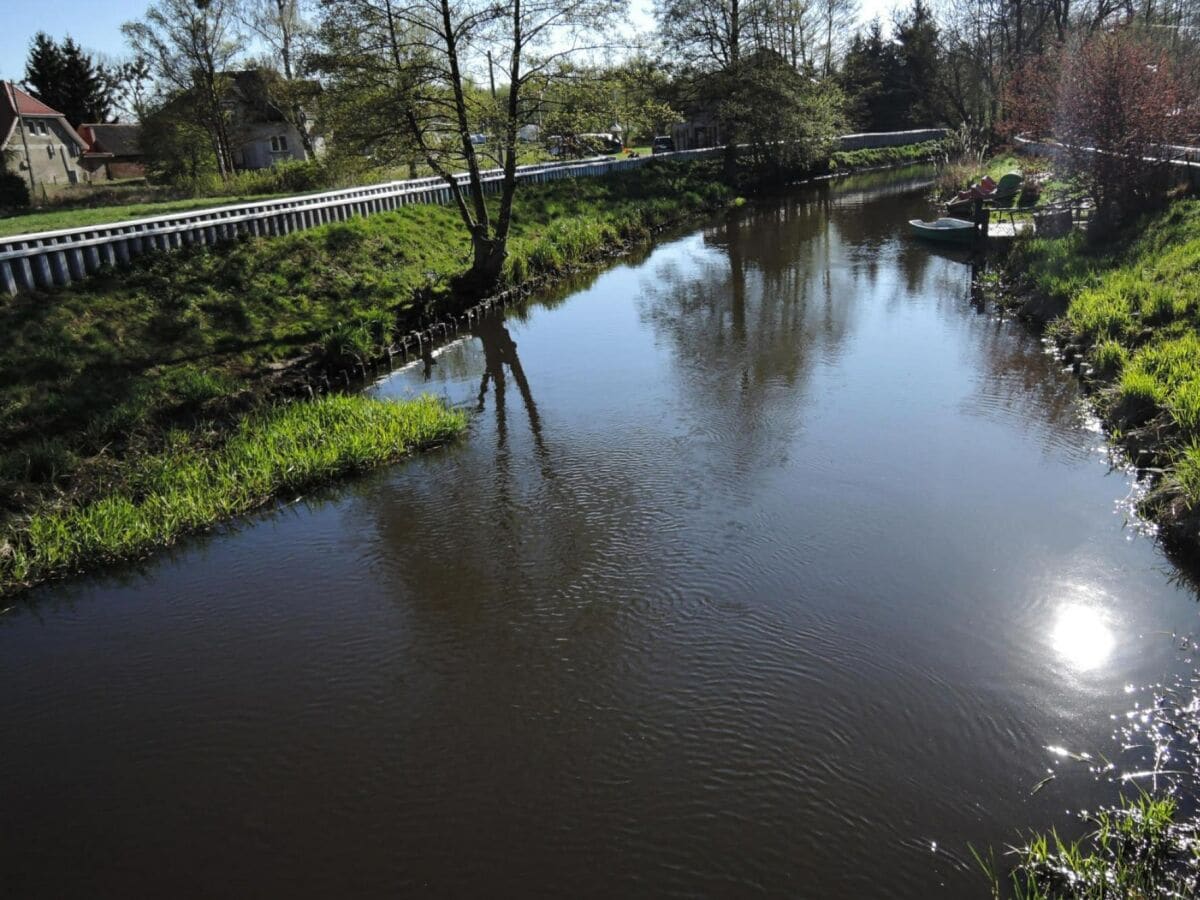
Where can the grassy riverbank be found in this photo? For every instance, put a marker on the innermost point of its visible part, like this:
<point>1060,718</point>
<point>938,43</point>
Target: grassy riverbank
<point>162,363</point>
<point>1131,312</point>
<point>186,487</point>
<point>176,351</point>
<point>849,160</point>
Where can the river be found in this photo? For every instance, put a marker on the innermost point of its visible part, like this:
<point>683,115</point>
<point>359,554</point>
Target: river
<point>771,564</point>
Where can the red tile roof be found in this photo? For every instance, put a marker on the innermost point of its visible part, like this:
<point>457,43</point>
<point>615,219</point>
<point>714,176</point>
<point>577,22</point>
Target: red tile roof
<point>26,105</point>
<point>15,103</point>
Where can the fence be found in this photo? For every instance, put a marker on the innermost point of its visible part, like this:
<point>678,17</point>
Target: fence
<point>1184,159</point>
<point>58,258</point>
<point>889,138</point>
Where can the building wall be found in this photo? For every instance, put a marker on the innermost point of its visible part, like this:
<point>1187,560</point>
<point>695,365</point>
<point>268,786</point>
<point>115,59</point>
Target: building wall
<point>698,132</point>
<point>55,156</point>
<point>126,168</point>
<point>254,149</point>
<point>109,169</point>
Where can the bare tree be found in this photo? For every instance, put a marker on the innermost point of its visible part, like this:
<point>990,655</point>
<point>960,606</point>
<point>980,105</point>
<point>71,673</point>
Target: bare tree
<point>190,45</point>
<point>283,27</point>
<point>837,17</point>
<point>422,53</point>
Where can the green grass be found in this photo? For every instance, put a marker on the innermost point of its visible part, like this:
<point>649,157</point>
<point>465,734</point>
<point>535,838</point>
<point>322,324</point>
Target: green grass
<point>182,346</point>
<point>1135,307</point>
<point>56,219</point>
<point>1137,850</point>
<point>882,156</point>
<point>282,449</point>
<point>77,206</point>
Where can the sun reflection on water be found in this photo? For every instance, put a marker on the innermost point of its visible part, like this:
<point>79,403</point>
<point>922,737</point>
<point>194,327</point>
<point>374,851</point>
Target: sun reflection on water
<point>1081,636</point>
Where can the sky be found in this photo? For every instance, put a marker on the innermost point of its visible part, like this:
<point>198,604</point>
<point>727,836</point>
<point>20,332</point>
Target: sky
<point>97,26</point>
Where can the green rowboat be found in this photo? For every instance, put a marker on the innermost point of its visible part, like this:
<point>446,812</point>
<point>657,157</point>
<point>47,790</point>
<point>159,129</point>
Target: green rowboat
<point>945,231</point>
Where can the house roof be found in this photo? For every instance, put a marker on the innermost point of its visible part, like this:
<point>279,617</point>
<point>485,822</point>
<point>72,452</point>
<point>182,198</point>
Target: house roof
<point>16,104</point>
<point>115,138</point>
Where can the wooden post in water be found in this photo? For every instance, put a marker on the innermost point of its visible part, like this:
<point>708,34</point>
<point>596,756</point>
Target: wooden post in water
<point>982,220</point>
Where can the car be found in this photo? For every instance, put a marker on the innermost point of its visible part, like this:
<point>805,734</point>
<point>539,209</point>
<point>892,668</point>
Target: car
<point>663,144</point>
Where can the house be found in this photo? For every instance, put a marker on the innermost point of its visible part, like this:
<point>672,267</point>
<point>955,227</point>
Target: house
<point>260,133</point>
<point>114,150</point>
<point>700,129</point>
<point>34,137</point>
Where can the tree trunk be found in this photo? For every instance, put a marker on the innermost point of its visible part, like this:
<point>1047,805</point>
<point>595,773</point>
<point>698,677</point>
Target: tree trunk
<point>487,264</point>
<point>731,132</point>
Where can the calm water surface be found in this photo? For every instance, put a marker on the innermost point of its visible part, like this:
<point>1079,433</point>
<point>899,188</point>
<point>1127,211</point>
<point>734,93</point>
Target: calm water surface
<point>770,565</point>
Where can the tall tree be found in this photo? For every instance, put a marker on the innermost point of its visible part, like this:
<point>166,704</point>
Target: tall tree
<point>870,77</point>
<point>66,78</point>
<point>191,46</point>
<point>918,54</point>
<point>421,52</point>
<point>837,16</point>
<point>284,29</point>
<point>87,86</point>
<point>707,36</point>
<point>44,69</point>
<point>786,119</point>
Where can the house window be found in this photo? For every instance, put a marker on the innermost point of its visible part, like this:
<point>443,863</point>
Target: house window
<point>279,143</point>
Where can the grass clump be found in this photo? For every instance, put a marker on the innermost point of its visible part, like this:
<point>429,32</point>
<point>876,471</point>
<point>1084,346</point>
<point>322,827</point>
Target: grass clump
<point>1187,474</point>
<point>282,449</point>
<point>1109,358</point>
<point>1136,850</point>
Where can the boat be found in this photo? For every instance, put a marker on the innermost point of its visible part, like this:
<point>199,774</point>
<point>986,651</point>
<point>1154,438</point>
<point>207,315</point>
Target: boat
<point>945,230</point>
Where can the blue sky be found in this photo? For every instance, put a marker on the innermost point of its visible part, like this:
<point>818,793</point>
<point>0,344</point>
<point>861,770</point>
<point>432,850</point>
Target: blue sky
<point>97,25</point>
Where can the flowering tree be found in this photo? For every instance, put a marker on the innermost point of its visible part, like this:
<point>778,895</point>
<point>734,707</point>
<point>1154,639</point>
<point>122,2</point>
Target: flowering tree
<point>1118,108</point>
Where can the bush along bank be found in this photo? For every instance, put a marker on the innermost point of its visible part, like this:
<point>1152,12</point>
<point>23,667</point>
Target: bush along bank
<point>172,357</point>
<point>869,158</point>
<point>1128,315</point>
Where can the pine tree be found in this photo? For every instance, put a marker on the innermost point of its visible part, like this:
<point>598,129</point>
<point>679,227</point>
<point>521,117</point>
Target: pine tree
<point>44,70</point>
<point>871,79</point>
<point>86,93</point>
<point>919,52</point>
<point>65,78</point>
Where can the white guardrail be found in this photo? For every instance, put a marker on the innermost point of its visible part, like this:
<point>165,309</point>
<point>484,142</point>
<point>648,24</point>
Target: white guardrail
<point>57,258</point>
<point>1186,158</point>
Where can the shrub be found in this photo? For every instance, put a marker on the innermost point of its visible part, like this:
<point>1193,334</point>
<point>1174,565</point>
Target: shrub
<point>1109,358</point>
<point>14,191</point>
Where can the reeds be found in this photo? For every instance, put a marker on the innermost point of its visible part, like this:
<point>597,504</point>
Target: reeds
<point>1135,850</point>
